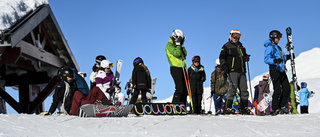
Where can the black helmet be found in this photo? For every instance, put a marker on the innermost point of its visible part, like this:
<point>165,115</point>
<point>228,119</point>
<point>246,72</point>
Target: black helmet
<point>67,73</point>
<point>61,69</point>
<point>196,58</point>
<point>137,61</point>
<point>275,34</point>
<point>100,58</point>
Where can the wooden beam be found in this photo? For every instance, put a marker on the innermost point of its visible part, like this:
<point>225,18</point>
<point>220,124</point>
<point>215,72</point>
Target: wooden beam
<point>24,97</point>
<point>11,101</point>
<point>10,56</point>
<point>44,94</point>
<point>47,36</point>
<point>40,54</point>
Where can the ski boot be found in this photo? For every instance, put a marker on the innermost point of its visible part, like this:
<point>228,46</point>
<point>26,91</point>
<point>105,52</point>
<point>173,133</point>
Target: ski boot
<point>276,112</point>
<point>245,111</point>
<point>284,110</point>
<point>230,111</point>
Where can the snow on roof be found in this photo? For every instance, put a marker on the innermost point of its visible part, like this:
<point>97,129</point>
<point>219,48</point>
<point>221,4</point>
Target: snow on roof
<point>13,10</point>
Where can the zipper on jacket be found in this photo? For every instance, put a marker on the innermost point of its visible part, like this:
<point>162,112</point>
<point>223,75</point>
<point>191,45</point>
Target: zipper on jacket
<point>232,62</point>
<point>241,55</point>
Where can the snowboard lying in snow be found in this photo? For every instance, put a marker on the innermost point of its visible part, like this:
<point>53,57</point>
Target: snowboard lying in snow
<point>92,110</point>
<point>160,109</point>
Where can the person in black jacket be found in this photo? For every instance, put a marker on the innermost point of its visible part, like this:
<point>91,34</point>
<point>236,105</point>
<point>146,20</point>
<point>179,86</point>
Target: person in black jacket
<point>232,58</point>
<point>197,76</point>
<point>141,80</point>
<point>63,95</point>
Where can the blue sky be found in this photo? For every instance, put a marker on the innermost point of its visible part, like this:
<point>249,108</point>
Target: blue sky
<point>126,29</point>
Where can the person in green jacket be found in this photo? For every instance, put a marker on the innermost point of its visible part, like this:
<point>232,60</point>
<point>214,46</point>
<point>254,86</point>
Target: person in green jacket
<point>176,54</point>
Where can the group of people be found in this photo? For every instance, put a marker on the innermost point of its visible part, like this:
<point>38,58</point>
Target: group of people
<point>229,77</point>
<point>227,80</point>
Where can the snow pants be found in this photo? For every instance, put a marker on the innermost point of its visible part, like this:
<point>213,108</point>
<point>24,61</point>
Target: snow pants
<point>304,109</point>
<point>181,93</point>
<point>79,99</point>
<point>219,102</point>
<point>197,99</point>
<point>281,89</point>
<point>238,81</point>
<point>136,94</point>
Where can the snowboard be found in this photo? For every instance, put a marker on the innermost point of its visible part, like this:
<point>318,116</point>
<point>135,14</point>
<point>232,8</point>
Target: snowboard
<point>265,102</point>
<point>93,110</point>
<point>159,109</point>
<point>116,82</point>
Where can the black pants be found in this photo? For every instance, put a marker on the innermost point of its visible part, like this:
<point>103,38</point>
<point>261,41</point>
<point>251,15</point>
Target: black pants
<point>304,109</point>
<point>136,94</point>
<point>196,100</point>
<point>181,93</point>
<point>281,89</point>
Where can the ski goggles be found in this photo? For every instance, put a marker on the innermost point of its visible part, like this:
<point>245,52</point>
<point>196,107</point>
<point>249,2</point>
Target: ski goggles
<point>110,65</point>
<point>235,35</point>
<point>276,36</point>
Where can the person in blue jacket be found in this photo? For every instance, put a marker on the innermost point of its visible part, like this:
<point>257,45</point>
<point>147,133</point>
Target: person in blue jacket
<point>304,95</point>
<point>276,60</point>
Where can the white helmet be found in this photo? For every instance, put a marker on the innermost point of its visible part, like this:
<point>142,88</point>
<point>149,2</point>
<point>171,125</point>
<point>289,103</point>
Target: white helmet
<point>235,33</point>
<point>218,62</point>
<point>178,36</point>
<point>106,64</point>
<point>265,76</point>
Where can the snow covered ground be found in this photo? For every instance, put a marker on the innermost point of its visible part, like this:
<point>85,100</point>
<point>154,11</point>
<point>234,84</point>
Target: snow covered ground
<point>188,125</point>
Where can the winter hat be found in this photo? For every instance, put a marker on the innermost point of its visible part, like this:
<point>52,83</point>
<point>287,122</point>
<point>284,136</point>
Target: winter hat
<point>137,61</point>
<point>217,62</point>
<point>235,33</point>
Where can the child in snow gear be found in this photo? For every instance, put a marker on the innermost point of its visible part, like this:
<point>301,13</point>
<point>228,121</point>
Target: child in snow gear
<point>63,95</point>
<point>197,76</point>
<point>176,52</point>
<point>275,58</point>
<point>141,80</point>
<point>94,72</point>
<point>219,87</point>
<point>304,95</point>
<point>232,59</point>
<point>261,89</point>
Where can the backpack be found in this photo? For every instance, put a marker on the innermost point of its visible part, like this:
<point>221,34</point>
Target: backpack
<point>221,83</point>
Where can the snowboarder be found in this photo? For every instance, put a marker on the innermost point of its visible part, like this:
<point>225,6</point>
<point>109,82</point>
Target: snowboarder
<point>197,76</point>
<point>63,95</point>
<point>275,58</point>
<point>94,72</point>
<point>219,87</point>
<point>141,80</point>
<point>176,52</point>
<point>304,95</point>
<point>232,59</point>
<point>261,89</point>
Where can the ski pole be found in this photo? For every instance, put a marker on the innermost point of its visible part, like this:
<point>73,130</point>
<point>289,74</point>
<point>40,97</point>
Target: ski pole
<point>210,112</point>
<point>187,85</point>
<point>249,81</point>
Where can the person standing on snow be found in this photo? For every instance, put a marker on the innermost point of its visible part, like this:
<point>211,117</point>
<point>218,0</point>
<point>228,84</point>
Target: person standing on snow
<point>94,72</point>
<point>261,89</point>
<point>219,87</point>
<point>304,95</point>
<point>197,76</point>
<point>141,80</point>
<point>274,57</point>
<point>176,53</point>
<point>233,57</point>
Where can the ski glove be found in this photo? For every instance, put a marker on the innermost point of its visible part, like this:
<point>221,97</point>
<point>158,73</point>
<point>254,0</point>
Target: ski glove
<point>44,114</point>
<point>277,60</point>
<point>289,56</point>
<point>248,58</point>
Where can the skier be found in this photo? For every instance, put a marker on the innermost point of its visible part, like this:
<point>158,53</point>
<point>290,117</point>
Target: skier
<point>94,72</point>
<point>261,89</point>
<point>232,58</point>
<point>197,76</point>
<point>219,87</point>
<point>141,80</point>
<point>63,95</point>
<point>274,57</point>
<point>176,53</point>
<point>304,95</point>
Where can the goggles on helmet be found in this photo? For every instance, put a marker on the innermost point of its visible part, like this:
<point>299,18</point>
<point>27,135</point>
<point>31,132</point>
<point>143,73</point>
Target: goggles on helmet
<point>276,36</point>
<point>235,35</point>
<point>110,65</point>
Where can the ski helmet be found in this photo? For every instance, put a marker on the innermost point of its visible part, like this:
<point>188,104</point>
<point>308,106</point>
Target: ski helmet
<point>265,76</point>
<point>217,62</point>
<point>303,84</point>
<point>137,61</point>
<point>106,64</point>
<point>99,58</point>
<point>235,33</point>
<point>67,73</point>
<point>275,34</point>
<point>177,36</point>
<point>61,69</point>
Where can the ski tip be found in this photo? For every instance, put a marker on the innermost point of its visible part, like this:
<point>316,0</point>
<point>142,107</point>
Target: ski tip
<point>288,30</point>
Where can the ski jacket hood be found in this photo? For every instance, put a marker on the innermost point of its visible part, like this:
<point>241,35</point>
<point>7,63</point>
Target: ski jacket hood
<point>174,54</point>
<point>274,51</point>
